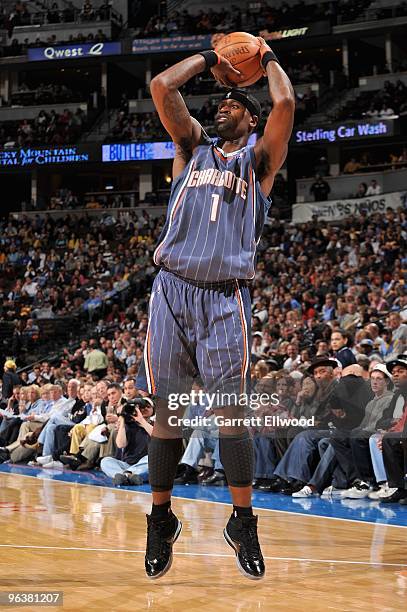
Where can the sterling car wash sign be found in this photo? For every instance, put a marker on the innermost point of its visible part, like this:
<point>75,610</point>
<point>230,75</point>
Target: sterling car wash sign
<point>344,131</point>
<point>29,157</point>
<point>68,52</point>
<point>335,210</point>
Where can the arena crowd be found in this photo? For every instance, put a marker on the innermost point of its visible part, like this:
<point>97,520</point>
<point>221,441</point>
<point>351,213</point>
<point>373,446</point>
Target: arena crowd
<point>329,338</point>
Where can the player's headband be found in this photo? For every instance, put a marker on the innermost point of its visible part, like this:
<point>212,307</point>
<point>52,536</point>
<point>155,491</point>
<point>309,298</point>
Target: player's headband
<point>248,101</point>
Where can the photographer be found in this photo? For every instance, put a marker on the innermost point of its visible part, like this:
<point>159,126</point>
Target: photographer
<point>130,466</point>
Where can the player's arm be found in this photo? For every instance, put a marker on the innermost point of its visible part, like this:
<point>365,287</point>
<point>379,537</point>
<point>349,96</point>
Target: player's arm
<point>172,110</point>
<point>271,149</point>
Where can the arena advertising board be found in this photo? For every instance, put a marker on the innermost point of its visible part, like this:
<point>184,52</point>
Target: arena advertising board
<point>36,157</point>
<point>27,157</point>
<point>349,130</point>
<point>137,151</point>
<point>336,210</point>
<point>319,28</point>
<point>201,41</point>
<point>79,51</point>
<point>173,43</point>
<point>144,151</point>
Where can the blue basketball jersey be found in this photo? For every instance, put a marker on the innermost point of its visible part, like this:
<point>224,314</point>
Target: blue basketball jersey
<point>215,217</point>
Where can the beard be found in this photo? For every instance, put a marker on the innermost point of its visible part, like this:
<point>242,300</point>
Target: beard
<point>226,129</point>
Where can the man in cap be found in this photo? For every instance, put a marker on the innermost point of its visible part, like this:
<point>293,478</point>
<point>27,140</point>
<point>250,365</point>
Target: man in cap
<point>295,467</point>
<point>393,443</point>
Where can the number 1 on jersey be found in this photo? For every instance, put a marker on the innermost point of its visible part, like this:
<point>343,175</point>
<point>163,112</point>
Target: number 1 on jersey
<point>215,206</point>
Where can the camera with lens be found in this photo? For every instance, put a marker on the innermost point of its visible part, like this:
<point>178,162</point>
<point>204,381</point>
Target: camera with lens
<point>129,409</point>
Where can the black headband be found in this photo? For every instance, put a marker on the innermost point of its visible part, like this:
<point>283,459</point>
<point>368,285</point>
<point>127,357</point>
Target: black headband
<point>248,101</point>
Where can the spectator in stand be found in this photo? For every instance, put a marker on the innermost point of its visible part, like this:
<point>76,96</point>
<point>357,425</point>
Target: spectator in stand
<point>390,425</point>
<point>87,12</point>
<point>340,349</point>
<point>10,379</point>
<point>398,341</point>
<point>96,361</point>
<point>361,190</point>
<point>68,12</point>
<point>31,333</point>
<point>94,446</point>
<point>104,10</point>
<point>130,466</point>
<point>374,188</point>
<point>386,111</point>
<point>63,415</point>
<point>328,309</point>
<point>53,15</point>
<point>294,359</point>
<point>10,409</point>
<point>352,166</point>
<point>394,443</point>
<point>93,304</point>
<point>322,167</point>
<point>320,189</point>
<point>403,157</point>
<point>351,317</point>
<point>94,417</point>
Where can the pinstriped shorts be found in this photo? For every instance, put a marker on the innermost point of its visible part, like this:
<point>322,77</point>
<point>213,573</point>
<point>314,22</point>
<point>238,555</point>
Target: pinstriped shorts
<point>196,329</point>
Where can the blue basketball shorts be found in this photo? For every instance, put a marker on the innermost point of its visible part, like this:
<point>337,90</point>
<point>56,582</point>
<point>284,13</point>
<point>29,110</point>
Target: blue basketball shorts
<point>197,329</point>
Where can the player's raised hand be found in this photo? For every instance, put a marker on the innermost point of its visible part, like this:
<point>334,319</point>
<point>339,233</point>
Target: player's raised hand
<point>223,72</point>
<point>264,48</point>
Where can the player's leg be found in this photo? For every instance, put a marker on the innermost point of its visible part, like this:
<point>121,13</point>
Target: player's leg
<point>237,457</point>
<point>223,357</point>
<point>167,369</point>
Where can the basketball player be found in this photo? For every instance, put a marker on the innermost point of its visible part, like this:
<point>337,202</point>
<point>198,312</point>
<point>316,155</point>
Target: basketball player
<point>200,311</point>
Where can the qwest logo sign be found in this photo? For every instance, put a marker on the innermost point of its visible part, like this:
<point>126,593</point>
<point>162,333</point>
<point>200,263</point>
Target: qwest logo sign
<point>74,51</point>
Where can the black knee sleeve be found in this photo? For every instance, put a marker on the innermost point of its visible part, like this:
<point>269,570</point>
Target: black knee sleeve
<point>236,455</point>
<point>163,458</point>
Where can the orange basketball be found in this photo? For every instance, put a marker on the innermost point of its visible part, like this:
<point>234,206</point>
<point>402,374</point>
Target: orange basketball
<point>242,51</point>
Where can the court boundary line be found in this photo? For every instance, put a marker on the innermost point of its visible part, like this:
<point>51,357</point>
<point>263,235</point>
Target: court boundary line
<point>211,501</point>
<point>198,554</point>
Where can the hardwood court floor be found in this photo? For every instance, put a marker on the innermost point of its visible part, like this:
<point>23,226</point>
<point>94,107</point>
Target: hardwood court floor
<point>89,543</point>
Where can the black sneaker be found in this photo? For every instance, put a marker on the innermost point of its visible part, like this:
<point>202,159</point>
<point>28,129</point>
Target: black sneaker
<point>161,535</point>
<point>135,480</point>
<point>276,485</point>
<point>267,485</point>
<point>241,535</point>
<point>293,487</point>
<point>205,473</point>
<point>71,461</point>
<point>120,480</point>
<point>189,476</point>
<point>217,479</point>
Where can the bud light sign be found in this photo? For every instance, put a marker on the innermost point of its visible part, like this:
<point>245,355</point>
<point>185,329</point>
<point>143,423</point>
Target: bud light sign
<point>74,51</point>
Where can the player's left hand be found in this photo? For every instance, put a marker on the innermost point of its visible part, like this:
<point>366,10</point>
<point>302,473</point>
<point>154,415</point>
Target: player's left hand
<point>223,72</point>
<point>264,47</point>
